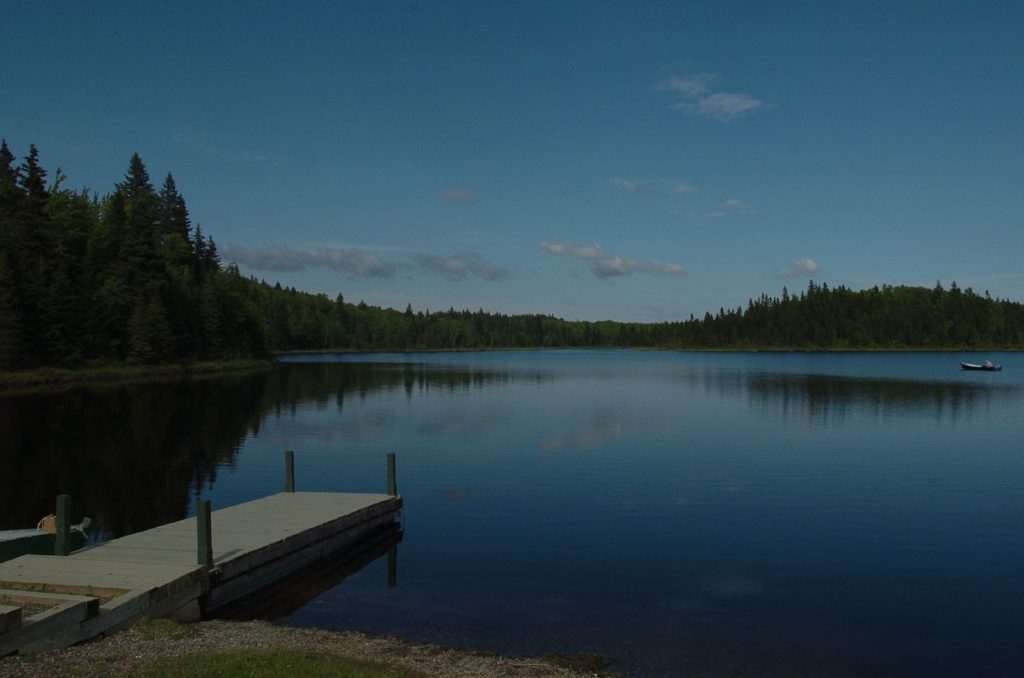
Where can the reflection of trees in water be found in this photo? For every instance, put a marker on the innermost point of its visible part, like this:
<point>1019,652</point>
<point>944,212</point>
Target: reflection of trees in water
<point>830,399</point>
<point>130,455</point>
<point>320,383</point>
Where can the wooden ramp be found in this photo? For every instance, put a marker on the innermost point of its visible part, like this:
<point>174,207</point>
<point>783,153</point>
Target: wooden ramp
<point>154,573</point>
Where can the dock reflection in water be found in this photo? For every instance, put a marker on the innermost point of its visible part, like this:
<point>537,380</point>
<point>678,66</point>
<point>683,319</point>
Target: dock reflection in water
<point>303,587</point>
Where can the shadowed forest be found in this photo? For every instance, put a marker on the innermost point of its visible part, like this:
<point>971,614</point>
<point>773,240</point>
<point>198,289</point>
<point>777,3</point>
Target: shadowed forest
<point>126,278</point>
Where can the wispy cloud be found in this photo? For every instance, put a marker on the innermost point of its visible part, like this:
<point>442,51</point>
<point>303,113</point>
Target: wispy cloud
<point>729,208</point>
<point>361,263</point>
<point>459,196</point>
<point>358,263</point>
<point>801,268</point>
<point>696,95</point>
<point>653,186</point>
<point>604,264</point>
<point>458,266</point>
<point>198,141</point>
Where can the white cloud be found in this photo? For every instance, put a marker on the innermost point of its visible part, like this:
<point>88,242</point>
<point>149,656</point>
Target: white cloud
<point>360,263</point>
<point>726,106</point>
<point>653,186</point>
<point>636,186</point>
<point>604,264</point>
<point>552,247</point>
<point>458,266</point>
<point>281,257</point>
<point>199,141</point>
<point>696,96</point>
<point>729,208</point>
<point>459,196</point>
<point>691,87</point>
<point>801,268</point>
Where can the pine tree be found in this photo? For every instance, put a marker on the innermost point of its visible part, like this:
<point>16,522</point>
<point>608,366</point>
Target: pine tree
<point>32,178</point>
<point>173,212</point>
<point>11,328</point>
<point>138,249</point>
<point>152,338</point>
<point>211,260</point>
<point>10,191</point>
<point>136,182</point>
<point>212,329</point>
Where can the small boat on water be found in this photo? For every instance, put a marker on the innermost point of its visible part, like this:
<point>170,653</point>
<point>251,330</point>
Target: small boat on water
<point>39,540</point>
<point>987,366</point>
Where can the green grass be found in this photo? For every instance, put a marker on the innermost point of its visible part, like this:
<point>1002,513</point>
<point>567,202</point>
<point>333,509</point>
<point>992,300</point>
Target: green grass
<point>270,664</point>
<point>582,662</point>
<point>155,629</point>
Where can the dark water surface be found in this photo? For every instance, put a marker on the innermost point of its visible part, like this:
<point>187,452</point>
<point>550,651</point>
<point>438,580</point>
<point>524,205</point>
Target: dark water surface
<point>682,513</point>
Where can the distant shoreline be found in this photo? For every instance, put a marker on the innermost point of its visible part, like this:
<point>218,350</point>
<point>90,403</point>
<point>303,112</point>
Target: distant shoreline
<point>47,377</point>
<point>364,351</point>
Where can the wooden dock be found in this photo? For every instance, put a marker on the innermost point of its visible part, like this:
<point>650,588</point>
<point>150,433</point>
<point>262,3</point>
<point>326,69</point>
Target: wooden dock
<point>156,573</point>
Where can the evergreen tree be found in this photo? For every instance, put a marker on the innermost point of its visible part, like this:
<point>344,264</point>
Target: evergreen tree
<point>152,339</point>
<point>10,192</point>
<point>11,327</point>
<point>32,178</point>
<point>136,181</point>
<point>173,212</point>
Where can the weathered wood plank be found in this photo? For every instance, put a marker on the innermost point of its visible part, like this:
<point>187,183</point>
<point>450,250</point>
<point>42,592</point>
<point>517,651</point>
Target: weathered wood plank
<point>70,574</point>
<point>10,618</point>
<point>39,627</point>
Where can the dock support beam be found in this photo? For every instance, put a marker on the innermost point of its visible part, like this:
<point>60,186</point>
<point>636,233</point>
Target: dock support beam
<point>289,470</point>
<point>204,533</point>
<point>62,543</point>
<point>392,482</point>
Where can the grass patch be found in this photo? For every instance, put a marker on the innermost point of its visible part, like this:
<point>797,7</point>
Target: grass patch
<point>155,629</point>
<point>271,664</point>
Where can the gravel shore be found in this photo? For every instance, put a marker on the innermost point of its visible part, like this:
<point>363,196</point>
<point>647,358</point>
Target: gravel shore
<point>127,652</point>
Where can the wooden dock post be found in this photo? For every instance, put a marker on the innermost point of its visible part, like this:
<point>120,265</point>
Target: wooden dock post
<point>289,470</point>
<point>62,543</point>
<point>204,533</point>
<point>392,482</point>
<point>393,567</point>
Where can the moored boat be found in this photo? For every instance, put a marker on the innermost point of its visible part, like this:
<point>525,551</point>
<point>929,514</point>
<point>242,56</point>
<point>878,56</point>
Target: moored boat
<point>987,366</point>
<point>39,540</point>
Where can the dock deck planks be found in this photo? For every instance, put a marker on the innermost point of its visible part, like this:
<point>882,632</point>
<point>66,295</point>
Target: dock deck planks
<point>254,544</point>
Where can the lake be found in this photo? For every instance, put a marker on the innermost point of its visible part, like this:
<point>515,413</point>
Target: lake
<point>682,513</point>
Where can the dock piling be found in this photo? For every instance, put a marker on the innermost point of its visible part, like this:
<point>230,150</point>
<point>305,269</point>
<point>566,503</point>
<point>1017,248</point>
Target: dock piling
<point>393,567</point>
<point>62,543</point>
<point>204,533</point>
<point>289,470</point>
<point>392,482</point>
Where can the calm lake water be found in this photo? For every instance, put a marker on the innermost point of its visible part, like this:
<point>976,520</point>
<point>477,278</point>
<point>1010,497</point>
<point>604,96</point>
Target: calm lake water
<point>682,513</point>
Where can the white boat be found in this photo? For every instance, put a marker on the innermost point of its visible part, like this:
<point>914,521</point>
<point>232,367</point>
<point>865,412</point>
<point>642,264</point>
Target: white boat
<point>987,366</point>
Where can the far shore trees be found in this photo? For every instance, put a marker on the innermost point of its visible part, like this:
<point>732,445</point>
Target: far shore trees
<point>127,279</point>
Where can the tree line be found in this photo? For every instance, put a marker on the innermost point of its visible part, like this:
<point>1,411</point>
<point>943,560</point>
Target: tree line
<point>126,278</point>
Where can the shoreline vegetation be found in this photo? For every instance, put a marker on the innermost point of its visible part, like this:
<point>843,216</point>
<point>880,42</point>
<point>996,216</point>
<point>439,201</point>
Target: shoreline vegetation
<point>45,377</point>
<point>58,376</point>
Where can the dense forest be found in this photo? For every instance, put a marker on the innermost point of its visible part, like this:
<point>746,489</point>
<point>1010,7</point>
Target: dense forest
<point>127,279</point>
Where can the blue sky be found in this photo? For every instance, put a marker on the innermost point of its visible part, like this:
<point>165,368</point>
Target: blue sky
<point>592,160</point>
